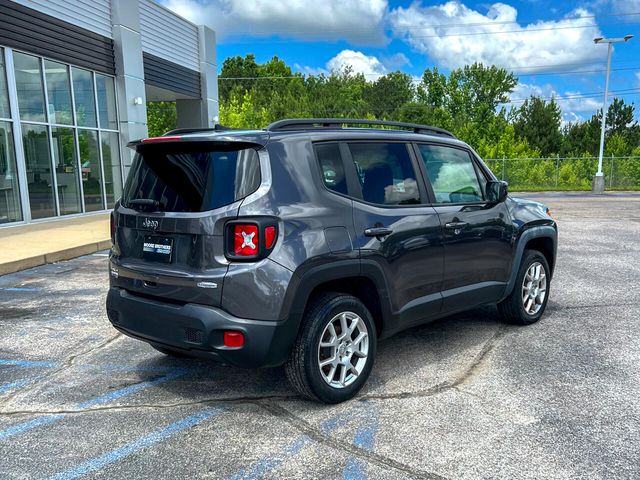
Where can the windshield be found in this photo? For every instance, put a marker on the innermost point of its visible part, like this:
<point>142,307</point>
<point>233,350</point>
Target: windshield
<point>190,178</point>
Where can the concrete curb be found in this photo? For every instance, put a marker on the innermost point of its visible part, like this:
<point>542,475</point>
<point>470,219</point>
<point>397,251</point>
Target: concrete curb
<point>53,257</point>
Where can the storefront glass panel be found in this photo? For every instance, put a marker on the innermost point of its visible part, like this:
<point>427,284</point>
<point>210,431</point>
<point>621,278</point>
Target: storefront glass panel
<point>10,210</point>
<point>38,166</point>
<point>91,174</point>
<point>65,160</point>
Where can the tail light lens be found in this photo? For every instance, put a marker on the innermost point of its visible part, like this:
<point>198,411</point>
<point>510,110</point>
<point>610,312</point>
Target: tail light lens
<point>252,239</point>
<point>113,228</point>
<point>246,240</point>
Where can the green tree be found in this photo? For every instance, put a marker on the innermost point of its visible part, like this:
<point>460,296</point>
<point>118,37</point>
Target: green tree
<point>538,122</point>
<point>390,92</point>
<point>161,117</point>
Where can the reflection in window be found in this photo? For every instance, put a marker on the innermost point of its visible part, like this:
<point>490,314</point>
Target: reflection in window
<point>106,102</point>
<point>29,86</point>
<point>38,163</point>
<point>10,210</point>
<point>386,174</point>
<point>452,174</point>
<point>112,172</point>
<point>90,168</point>
<point>58,92</point>
<point>332,167</point>
<point>84,97</point>
<point>66,165</point>
<point>4,94</point>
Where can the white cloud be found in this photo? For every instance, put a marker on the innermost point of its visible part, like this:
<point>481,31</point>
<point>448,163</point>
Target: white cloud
<point>368,65</point>
<point>537,46</point>
<point>638,78</point>
<point>626,6</point>
<point>358,21</point>
<point>573,105</point>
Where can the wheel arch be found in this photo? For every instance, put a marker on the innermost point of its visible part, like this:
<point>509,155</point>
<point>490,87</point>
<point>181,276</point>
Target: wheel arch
<point>364,281</point>
<point>542,238</point>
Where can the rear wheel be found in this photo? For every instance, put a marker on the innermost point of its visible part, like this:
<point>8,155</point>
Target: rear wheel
<point>528,300</point>
<point>334,352</point>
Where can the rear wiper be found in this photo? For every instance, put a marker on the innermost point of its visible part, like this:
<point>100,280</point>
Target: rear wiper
<point>146,204</point>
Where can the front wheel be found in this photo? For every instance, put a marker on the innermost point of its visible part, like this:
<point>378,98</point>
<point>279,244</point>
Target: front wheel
<point>334,352</point>
<point>528,300</point>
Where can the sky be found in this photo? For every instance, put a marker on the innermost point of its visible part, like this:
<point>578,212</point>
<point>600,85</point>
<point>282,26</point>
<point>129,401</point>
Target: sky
<point>548,44</point>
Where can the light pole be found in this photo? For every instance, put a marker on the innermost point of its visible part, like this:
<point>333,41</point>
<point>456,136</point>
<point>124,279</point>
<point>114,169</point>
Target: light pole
<point>598,179</point>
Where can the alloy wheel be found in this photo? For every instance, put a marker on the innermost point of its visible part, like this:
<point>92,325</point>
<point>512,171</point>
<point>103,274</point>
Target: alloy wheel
<point>534,288</point>
<point>343,349</point>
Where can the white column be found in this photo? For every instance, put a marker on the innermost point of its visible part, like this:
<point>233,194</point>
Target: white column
<point>203,113</point>
<point>127,46</point>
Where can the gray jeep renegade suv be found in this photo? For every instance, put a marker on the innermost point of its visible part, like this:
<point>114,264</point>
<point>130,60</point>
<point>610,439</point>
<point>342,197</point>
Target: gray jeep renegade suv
<point>304,243</point>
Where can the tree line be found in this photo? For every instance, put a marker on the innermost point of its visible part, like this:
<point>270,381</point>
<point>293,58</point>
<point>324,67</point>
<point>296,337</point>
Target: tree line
<point>474,102</point>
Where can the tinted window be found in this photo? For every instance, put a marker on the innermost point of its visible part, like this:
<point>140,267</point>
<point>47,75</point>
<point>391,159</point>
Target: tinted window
<point>29,86</point>
<point>192,178</point>
<point>385,173</point>
<point>452,174</point>
<point>332,167</point>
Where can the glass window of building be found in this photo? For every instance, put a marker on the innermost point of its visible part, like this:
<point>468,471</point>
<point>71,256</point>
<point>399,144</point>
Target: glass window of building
<point>29,86</point>
<point>112,170</point>
<point>106,102</point>
<point>38,166</point>
<point>65,161</point>
<point>10,210</point>
<point>91,171</point>
<point>84,97</point>
<point>4,94</point>
<point>58,93</point>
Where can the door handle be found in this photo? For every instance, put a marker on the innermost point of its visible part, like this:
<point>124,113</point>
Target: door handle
<point>378,232</point>
<point>456,225</point>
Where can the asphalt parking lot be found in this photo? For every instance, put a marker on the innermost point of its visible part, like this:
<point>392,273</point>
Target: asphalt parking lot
<point>465,397</point>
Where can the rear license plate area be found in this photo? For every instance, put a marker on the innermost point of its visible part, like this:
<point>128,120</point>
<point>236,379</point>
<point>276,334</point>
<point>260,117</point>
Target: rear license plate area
<point>157,249</point>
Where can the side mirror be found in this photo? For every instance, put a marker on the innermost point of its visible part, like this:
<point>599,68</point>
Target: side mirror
<point>497,191</point>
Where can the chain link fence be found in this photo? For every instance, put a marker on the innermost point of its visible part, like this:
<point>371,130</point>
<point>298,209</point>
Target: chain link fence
<point>530,174</point>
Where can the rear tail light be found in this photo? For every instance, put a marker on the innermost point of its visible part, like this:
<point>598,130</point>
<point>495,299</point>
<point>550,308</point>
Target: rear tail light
<point>246,240</point>
<point>113,228</point>
<point>252,239</point>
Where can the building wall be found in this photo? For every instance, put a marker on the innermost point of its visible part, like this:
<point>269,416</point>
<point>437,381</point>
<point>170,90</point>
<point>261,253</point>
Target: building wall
<point>94,15</point>
<point>168,36</point>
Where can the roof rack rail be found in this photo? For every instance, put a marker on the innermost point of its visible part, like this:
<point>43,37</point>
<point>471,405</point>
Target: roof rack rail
<point>311,123</point>
<point>184,131</point>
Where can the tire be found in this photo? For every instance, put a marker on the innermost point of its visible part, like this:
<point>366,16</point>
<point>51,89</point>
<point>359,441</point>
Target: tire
<point>170,352</point>
<point>519,309</point>
<point>303,367</point>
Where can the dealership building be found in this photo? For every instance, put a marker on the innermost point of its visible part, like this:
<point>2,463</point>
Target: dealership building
<point>75,76</point>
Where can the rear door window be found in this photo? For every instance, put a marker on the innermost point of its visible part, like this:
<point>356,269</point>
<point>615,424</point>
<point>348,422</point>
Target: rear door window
<point>386,174</point>
<point>452,174</point>
<point>192,178</point>
<point>332,167</point>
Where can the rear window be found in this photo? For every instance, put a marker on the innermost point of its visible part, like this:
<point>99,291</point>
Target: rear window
<point>192,178</point>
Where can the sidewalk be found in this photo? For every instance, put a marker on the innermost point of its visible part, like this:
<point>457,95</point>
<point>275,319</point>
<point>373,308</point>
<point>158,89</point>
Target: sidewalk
<point>31,245</point>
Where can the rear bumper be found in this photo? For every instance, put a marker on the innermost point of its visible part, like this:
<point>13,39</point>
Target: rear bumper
<point>198,330</point>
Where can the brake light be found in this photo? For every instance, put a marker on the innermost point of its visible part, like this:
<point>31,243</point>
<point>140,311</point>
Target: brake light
<point>113,228</point>
<point>159,139</point>
<point>246,240</point>
<point>269,236</point>
<point>250,239</point>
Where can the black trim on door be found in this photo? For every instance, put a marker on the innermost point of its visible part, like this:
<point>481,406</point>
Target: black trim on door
<point>30,31</point>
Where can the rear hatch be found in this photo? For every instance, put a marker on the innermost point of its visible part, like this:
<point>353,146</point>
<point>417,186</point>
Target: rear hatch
<point>169,240</point>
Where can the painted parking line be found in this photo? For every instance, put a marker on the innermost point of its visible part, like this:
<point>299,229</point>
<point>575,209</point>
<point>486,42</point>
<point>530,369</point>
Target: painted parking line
<point>6,387</point>
<point>101,400</point>
<point>27,363</point>
<point>269,463</point>
<point>124,368</point>
<point>98,463</point>
<point>364,438</point>
<point>20,289</point>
